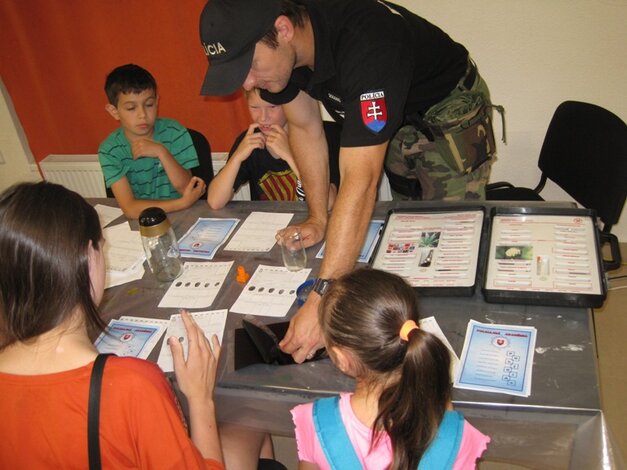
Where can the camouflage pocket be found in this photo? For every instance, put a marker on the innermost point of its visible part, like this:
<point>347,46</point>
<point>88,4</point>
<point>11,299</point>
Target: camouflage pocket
<point>462,130</point>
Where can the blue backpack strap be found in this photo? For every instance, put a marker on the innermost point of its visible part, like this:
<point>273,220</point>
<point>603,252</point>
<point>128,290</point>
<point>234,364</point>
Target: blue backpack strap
<point>442,452</point>
<point>332,435</point>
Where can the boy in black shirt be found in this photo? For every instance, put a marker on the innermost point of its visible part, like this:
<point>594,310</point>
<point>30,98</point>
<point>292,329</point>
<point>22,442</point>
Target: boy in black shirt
<point>261,156</point>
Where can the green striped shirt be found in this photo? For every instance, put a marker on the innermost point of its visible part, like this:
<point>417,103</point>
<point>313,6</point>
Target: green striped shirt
<point>146,176</point>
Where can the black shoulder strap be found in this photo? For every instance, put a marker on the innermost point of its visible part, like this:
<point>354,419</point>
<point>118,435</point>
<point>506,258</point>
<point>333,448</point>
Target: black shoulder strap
<point>93,412</point>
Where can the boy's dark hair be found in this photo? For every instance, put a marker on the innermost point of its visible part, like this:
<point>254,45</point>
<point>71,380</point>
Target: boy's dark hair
<point>296,13</point>
<point>45,231</point>
<point>129,78</point>
<point>363,312</point>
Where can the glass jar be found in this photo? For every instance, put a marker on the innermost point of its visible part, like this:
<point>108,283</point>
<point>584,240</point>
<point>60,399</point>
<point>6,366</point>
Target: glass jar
<point>160,245</point>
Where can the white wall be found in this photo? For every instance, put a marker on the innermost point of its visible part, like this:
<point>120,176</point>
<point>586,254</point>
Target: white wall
<point>16,161</point>
<point>534,54</point>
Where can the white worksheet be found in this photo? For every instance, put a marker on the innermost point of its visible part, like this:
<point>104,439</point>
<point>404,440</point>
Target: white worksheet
<point>116,278</point>
<point>431,325</point>
<point>270,291</point>
<point>107,214</point>
<point>258,231</point>
<point>123,247</point>
<point>211,322</point>
<point>124,255</point>
<point>197,286</point>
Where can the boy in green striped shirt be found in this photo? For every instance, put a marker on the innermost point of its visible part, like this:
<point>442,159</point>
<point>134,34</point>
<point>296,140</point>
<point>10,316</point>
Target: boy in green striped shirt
<point>146,161</point>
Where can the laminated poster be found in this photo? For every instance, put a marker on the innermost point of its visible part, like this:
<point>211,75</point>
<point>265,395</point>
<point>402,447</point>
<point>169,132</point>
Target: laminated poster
<point>432,249</point>
<point>497,358</point>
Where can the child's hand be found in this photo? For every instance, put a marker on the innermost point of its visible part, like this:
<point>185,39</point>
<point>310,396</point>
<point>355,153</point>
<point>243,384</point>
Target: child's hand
<point>196,376</point>
<point>146,148</point>
<point>278,144</point>
<point>194,189</point>
<point>251,141</point>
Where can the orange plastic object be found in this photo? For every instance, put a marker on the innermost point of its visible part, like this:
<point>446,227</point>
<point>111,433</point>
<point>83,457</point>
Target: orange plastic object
<point>242,276</point>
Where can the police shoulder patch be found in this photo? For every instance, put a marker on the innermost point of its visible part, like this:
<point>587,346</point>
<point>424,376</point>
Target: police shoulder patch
<point>374,113</point>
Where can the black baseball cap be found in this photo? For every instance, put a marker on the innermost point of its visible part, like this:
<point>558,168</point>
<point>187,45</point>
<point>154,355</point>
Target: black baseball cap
<point>229,30</point>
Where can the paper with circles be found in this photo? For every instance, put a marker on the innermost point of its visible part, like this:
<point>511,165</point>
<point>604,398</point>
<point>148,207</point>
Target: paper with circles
<point>270,292</point>
<point>197,286</point>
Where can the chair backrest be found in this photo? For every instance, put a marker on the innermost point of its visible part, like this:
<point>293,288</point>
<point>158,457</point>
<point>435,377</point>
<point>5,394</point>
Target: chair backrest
<point>585,153</point>
<point>203,149</point>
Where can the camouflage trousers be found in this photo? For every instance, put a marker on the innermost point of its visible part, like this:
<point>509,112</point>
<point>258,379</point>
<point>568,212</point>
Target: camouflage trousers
<point>412,155</point>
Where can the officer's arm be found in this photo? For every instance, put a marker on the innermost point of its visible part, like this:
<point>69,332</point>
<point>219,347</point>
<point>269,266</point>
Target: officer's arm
<point>309,147</point>
<point>360,170</point>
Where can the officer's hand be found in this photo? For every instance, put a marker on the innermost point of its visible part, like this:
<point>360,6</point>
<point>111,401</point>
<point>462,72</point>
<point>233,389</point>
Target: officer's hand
<point>311,232</point>
<point>303,337</point>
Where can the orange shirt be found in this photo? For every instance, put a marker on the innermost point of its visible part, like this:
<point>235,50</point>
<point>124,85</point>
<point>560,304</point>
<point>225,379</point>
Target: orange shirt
<point>43,420</point>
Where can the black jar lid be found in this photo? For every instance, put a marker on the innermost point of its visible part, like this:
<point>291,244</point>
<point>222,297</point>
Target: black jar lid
<point>153,222</point>
<point>151,216</point>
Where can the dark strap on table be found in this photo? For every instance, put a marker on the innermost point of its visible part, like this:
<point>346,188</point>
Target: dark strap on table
<point>93,412</point>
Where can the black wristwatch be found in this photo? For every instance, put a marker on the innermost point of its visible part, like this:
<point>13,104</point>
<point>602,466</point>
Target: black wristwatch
<point>321,286</point>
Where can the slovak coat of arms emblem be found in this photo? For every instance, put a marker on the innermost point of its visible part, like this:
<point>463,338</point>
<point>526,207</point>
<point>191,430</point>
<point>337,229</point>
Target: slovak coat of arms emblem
<point>374,113</point>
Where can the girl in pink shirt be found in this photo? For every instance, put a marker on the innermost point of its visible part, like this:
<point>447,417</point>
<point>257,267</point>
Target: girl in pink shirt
<point>400,414</point>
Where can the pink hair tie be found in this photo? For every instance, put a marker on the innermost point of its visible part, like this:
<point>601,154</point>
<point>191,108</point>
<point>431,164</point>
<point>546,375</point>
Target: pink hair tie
<point>408,327</point>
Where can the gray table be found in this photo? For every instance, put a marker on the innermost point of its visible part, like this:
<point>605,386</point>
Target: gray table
<point>560,425</point>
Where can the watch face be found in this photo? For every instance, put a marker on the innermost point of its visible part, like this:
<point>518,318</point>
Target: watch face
<point>321,286</point>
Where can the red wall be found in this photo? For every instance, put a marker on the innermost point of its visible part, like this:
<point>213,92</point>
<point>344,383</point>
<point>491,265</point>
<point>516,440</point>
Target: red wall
<point>55,56</point>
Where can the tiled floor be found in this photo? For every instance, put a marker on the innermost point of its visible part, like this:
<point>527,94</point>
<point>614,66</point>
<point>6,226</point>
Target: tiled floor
<point>611,331</point>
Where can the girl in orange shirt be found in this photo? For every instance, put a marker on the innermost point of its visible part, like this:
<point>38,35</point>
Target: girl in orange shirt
<point>52,278</point>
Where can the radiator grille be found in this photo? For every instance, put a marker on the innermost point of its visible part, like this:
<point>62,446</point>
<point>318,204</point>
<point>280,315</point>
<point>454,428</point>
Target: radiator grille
<point>80,173</point>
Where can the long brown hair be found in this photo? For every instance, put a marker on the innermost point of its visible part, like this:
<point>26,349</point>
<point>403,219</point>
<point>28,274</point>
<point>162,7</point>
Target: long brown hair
<point>45,230</point>
<point>363,311</point>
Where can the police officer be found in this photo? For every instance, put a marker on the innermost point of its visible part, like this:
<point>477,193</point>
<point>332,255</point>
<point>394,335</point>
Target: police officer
<point>374,65</point>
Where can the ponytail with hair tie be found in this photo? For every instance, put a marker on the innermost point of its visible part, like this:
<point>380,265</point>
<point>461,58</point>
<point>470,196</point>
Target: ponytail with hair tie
<point>407,328</point>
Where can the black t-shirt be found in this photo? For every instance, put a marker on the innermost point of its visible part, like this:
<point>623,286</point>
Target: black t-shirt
<point>375,63</point>
<point>272,179</point>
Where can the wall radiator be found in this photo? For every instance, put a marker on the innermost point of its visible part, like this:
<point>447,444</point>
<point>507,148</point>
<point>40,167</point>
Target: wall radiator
<point>80,173</point>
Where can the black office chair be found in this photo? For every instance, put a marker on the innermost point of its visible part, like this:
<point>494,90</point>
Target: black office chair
<point>203,149</point>
<point>585,153</point>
